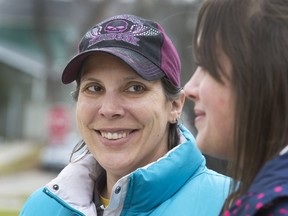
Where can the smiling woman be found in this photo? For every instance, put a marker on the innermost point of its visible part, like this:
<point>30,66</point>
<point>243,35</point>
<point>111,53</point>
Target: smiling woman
<point>137,159</point>
<point>240,90</point>
<point>115,117</point>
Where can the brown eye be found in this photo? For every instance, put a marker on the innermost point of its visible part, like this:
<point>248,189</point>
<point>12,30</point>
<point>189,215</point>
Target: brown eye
<point>136,88</point>
<point>94,88</point>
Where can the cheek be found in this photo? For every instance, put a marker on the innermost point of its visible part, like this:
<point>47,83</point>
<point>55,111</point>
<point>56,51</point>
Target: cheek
<point>217,100</point>
<point>219,107</point>
<point>223,121</point>
<point>85,112</point>
<point>221,111</point>
<point>79,116</point>
<point>156,109</point>
<point>147,117</point>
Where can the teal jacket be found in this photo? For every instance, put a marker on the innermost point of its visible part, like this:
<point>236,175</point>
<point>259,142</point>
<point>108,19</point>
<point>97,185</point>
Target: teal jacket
<point>177,184</point>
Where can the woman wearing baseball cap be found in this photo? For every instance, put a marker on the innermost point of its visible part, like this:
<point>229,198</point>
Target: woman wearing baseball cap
<point>138,160</point>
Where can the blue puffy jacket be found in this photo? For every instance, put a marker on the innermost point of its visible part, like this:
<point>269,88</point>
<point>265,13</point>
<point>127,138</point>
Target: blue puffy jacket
<point>177,184</point>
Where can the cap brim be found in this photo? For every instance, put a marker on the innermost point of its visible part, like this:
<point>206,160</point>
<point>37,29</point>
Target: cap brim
<point>141,65</point>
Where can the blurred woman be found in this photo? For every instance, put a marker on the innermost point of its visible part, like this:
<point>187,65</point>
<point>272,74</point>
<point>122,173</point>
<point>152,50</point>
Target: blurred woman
<point>240,90</point>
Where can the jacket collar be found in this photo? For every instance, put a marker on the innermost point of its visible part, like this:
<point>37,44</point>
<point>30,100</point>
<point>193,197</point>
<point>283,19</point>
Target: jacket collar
<point>75,184</point>
<point>152,185</point>
<point>273,173</point>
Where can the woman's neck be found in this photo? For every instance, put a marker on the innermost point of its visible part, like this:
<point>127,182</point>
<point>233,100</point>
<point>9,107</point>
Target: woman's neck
<point>110,182</point>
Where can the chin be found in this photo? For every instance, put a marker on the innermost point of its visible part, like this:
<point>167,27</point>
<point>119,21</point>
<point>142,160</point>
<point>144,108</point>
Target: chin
<point>201,144</point>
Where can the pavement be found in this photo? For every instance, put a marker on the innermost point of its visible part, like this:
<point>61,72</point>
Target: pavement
<point>13,151</point>
<point>16,187</point>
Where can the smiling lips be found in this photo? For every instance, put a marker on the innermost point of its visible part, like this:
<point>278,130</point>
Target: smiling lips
<point>198,115</point>
<point>115,135</point>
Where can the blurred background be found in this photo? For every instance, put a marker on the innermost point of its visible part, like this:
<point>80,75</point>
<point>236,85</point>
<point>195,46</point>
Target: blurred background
<point>37,39</point>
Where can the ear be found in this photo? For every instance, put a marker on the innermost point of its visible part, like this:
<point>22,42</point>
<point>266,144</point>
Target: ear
<point>176,109</point>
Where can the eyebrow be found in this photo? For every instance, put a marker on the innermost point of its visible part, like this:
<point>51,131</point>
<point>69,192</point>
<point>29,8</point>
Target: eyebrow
<point>132,77</point>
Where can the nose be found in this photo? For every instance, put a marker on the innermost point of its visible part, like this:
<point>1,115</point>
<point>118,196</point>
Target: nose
<point>191,87</point>
<point>111,106</point>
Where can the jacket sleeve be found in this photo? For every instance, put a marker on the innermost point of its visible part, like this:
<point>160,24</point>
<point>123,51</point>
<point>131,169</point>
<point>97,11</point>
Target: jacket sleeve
<point>278,208</point>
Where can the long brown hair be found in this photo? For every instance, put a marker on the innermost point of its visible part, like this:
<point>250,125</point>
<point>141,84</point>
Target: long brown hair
<point>254,36</point>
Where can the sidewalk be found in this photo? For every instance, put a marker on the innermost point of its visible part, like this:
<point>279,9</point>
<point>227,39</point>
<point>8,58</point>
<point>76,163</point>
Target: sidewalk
<point>13,151</point>
<point>15,187</point>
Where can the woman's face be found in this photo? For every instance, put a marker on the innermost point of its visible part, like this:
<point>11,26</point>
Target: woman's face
<point>122,118</point>
<point>214,111</point>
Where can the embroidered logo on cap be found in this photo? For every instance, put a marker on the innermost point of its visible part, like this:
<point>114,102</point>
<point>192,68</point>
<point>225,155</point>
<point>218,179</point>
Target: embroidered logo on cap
<point>122,28</point>
<point>116,26</point>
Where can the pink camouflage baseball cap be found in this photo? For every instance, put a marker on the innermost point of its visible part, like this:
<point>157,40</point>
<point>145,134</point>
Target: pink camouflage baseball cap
<point>141,43</point>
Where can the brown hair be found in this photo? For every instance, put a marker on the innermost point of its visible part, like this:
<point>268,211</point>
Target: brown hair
<point>254,36</point>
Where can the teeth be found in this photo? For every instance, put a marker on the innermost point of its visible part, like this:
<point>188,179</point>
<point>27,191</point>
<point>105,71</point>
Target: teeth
<point>113,136</point>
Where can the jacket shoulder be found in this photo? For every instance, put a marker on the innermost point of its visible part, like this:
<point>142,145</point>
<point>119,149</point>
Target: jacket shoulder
<point>207,191</point>
<point>43,202</point>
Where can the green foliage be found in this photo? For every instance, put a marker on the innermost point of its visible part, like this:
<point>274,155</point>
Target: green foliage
<point>9,213</point>
<point>26,162</point>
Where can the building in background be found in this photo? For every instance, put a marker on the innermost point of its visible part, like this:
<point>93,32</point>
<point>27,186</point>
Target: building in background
<point>38,37</point>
